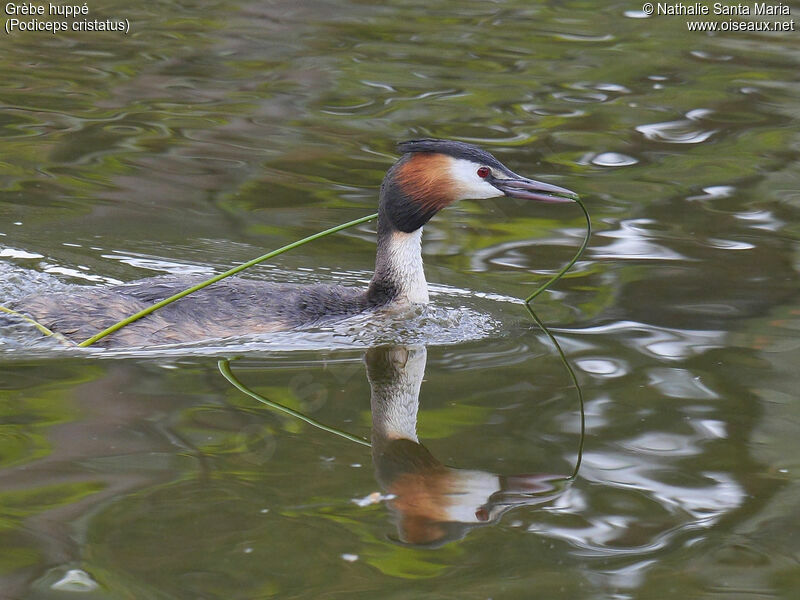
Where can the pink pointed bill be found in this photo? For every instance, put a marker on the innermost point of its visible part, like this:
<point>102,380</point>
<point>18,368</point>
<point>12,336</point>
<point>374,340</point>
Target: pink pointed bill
<point>530,189</point>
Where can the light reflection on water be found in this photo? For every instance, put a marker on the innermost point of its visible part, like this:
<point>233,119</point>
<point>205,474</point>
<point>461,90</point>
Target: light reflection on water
<point>196,144</point>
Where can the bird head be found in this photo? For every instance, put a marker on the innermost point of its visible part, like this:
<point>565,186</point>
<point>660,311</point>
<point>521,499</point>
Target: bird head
<point>433,174</point>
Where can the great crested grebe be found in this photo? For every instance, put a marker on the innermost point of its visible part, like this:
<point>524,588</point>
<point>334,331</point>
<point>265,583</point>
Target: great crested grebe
<point>430,175</point>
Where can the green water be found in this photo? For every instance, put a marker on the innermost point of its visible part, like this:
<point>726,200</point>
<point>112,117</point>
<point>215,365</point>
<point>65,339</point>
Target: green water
<point>215,131</point>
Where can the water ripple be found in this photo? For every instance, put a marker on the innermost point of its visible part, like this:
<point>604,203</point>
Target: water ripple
<point>679,383</point>
<point>729,244</point>
<point>14,253</point>
<point>581,98</point>
<point>682,131</point>
<point>603,366</point>
<point>661,342</point>
<point>633,241</point>
<point>714,192</point>
<point>613,159</point>
<point>703,55</point>
<point>673,509</point>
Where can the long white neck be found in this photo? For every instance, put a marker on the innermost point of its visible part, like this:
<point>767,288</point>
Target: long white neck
<point>398,267</point>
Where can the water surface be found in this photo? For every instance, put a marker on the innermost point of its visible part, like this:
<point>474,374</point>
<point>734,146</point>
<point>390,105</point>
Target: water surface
<point>214,131</point>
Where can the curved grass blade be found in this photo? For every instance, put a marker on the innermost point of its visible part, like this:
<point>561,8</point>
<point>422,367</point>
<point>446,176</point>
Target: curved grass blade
<point>26,318</point>
<point>44,330</point>
<point>574,379</point>
<point>555,343</point>
<point>575,258</point>
<point>225,369</point>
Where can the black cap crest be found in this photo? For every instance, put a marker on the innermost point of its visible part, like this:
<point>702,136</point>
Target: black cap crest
<point>452,148</point>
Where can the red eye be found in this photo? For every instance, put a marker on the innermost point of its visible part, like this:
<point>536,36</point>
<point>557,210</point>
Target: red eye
<point>484,172</point>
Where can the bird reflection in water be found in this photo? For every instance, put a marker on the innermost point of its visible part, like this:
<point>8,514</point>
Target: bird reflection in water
<point>433,504</point>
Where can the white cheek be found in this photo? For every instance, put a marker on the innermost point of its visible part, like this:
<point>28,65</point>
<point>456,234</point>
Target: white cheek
<point>470,186</point>
<point>472,490</point>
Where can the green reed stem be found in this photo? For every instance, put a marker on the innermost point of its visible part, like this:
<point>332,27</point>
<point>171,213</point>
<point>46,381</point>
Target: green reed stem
<point>42,329</point>
<point>574,379</point>
<point>216,278</point>
<point>561,354</point>
<point>575,258</point>
<point>225,368</point>
<point>28,319</point>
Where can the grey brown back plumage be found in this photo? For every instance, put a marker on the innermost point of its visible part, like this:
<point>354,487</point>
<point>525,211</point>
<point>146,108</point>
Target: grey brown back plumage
<point>231,307</point>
